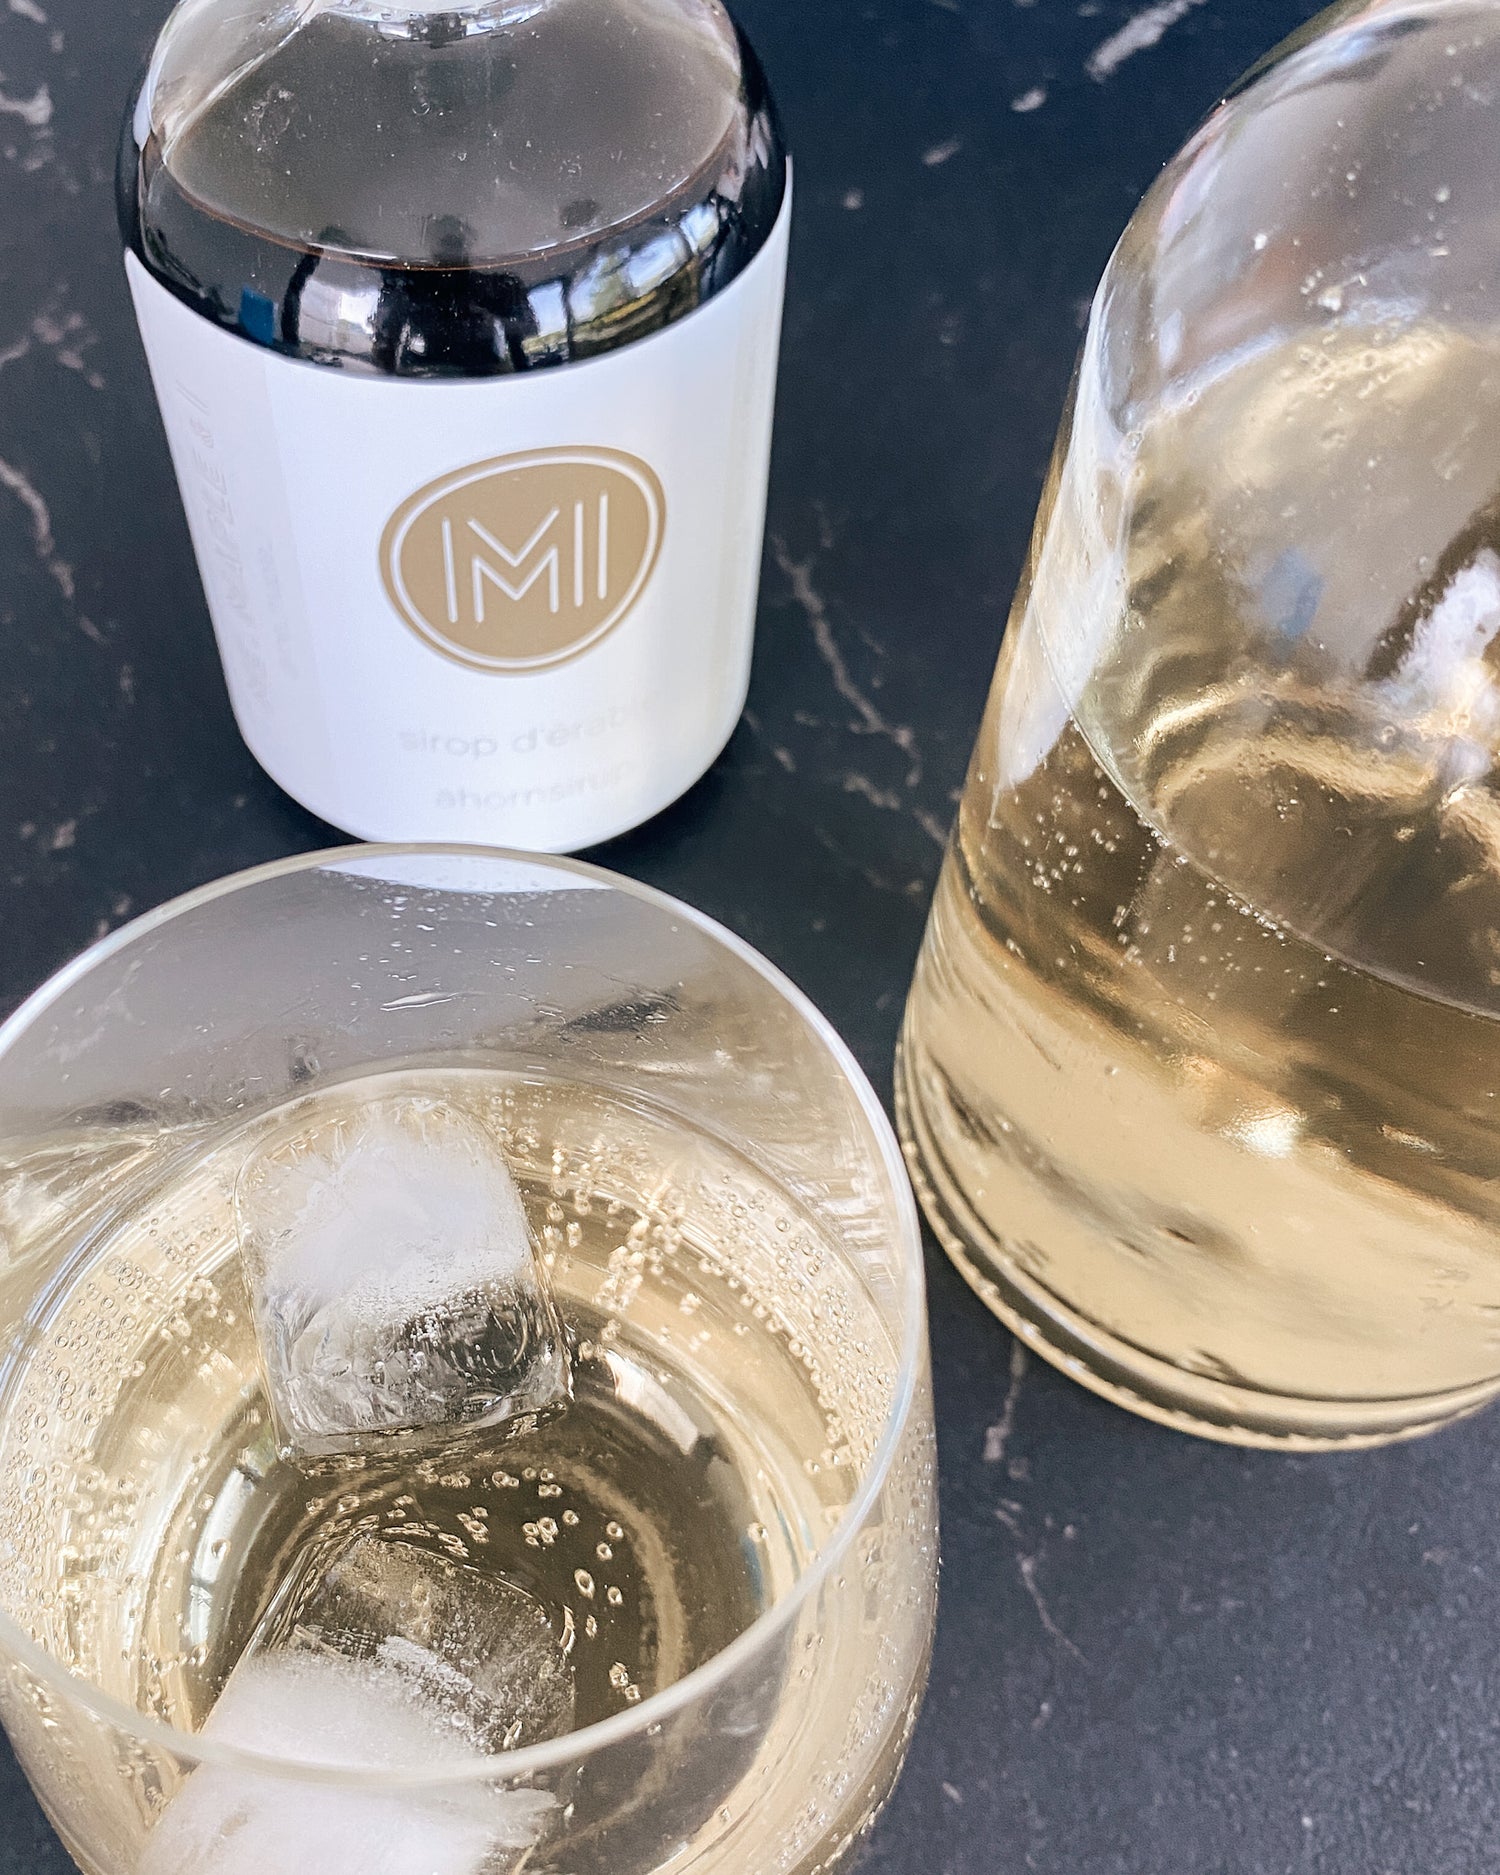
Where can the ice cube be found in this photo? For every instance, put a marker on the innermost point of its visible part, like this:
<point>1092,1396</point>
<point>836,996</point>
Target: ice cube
<point>477,1652</point>
<point>395,1284</point>
<point>321,1709</point>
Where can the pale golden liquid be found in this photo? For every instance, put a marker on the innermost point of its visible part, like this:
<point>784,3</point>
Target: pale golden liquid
<point>1201,1068</point>
<point>732,1380</point>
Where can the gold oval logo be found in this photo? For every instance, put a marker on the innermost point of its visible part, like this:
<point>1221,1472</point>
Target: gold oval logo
<point>524,561</point>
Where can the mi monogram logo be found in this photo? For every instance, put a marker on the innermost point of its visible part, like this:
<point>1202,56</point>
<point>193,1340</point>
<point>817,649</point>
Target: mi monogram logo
<point>525,561</point>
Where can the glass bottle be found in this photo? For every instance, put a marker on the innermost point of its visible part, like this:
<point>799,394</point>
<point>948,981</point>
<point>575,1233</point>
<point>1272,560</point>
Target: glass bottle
<point>463,319</point>
<point>1201,1066</point>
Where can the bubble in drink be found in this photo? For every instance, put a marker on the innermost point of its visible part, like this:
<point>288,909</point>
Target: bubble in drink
<point>472,1649</point>
<point>394,1280</point>
<point>330,1709</point>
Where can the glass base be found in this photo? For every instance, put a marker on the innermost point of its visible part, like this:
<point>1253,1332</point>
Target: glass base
<point>1124,1374</point>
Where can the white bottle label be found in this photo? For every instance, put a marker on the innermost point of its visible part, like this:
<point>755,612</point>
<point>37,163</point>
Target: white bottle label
<point>508,610</point>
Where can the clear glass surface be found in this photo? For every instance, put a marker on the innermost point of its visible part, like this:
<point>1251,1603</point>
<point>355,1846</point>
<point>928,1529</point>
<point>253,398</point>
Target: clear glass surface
<point>458,190</point>
<point>1200,1068</point>
<point>732,1525</point>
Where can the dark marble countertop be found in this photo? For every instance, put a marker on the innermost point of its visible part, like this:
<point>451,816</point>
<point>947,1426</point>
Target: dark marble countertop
<point>1155,1657</point>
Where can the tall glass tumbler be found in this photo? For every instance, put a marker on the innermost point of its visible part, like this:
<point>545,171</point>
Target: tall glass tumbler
<point>1200,1075</point>
<point>724,1550</point>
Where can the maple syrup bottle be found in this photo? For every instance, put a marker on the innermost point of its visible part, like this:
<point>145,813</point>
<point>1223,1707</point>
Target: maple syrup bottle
<point>463,319</point>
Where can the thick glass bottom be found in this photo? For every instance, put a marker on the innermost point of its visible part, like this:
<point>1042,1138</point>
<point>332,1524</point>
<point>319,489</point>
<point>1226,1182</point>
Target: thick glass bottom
<point>1127,1375</point>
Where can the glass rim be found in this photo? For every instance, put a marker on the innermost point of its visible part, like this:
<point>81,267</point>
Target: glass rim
<point>514,1767</point>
